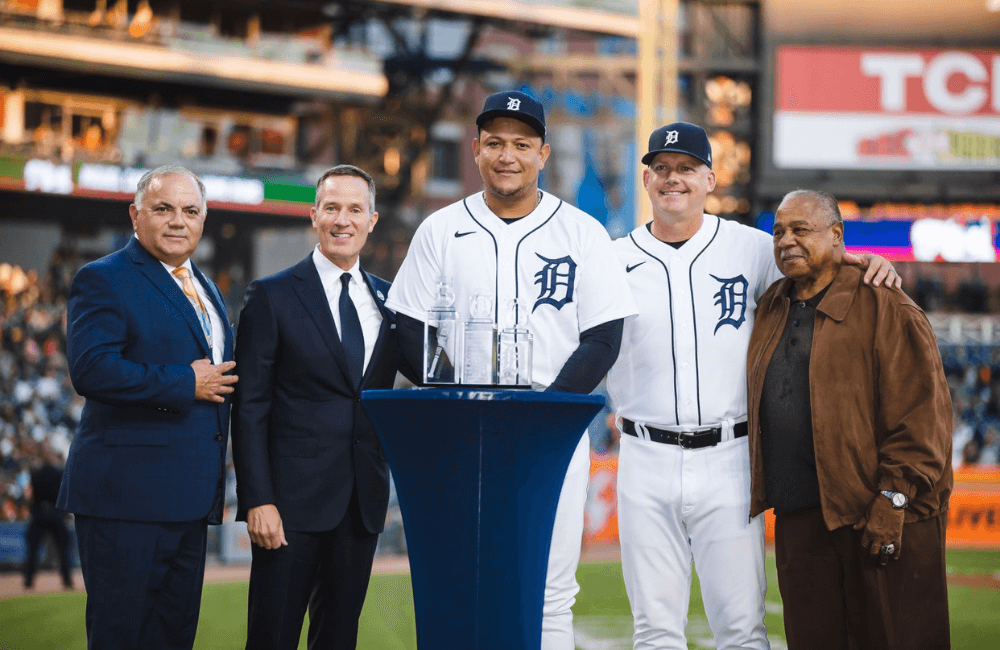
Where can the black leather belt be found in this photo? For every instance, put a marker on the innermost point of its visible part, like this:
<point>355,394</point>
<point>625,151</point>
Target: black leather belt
<point>686,439</point>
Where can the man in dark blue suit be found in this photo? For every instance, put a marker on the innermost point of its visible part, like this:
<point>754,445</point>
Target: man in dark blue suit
<point>312,480</point>
<point>148,346</point>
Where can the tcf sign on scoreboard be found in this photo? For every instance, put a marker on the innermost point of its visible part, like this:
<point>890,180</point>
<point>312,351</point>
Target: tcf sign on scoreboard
<point>879,108</point>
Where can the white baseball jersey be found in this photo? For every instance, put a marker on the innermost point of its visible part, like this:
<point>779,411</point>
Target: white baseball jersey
<point>558,260</point>
<point>683,359</point>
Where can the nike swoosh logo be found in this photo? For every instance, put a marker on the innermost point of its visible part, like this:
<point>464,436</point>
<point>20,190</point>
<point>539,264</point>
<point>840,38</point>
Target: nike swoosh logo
<point>463,234</point>
<point>629,269</point>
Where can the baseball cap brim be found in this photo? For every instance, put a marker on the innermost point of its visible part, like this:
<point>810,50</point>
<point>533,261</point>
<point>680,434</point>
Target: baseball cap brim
<point>520,116</point>
<point>648,158</point>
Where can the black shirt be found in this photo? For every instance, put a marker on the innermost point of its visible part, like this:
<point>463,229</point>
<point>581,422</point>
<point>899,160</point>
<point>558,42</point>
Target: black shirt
<point>790,478</point>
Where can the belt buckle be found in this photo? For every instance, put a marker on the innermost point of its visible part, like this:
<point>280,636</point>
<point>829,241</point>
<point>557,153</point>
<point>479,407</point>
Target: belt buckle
<point>694,437</point>
<point>685,436</point>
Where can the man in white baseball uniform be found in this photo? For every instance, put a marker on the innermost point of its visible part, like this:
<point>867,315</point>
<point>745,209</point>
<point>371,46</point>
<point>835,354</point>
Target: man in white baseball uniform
<point>680,391</point>
<point>514,241</point>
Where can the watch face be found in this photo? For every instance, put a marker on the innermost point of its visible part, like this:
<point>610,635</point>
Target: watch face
<point>899,500</point>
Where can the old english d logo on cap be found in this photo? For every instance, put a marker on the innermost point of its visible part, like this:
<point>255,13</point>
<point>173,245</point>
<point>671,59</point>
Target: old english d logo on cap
<point>517,105</point>
<point>680,137</point>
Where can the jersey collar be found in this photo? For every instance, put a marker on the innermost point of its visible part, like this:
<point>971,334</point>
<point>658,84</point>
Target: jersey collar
<point>477,205</point>
<point>709,223</point>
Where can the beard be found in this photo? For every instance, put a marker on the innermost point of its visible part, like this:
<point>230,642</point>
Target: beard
<point>508,193</point>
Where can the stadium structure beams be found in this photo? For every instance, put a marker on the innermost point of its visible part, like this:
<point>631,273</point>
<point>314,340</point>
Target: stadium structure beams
<point>545,15</point>
<point>693,39</point>
<point>139,60</point>
<point>142,90</point>
<point>656,81</point>
<point>410,108</point>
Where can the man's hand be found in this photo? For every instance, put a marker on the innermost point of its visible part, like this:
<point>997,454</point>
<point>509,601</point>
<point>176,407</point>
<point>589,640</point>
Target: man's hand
<point>210,381</point>
<point>883,525</point>
<point>264,526</point>
<point>879,269</point>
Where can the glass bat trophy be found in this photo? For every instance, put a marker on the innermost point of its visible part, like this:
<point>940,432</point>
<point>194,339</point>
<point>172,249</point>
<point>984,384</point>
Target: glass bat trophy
<point>515,347</point>
<point>441,337</point>
<point>479,349</point>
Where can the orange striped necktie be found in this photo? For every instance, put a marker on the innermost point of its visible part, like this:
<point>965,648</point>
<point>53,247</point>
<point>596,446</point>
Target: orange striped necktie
<point>187,286</point>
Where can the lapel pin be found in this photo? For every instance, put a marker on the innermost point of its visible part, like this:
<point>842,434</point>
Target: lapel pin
<point>380,296</point>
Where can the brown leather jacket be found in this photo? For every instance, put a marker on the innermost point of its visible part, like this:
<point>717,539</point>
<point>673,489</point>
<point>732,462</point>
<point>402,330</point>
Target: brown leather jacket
<point>881,410</point>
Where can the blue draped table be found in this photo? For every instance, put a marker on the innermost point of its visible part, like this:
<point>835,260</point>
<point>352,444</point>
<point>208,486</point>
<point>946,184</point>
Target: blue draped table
<point>478,474</point>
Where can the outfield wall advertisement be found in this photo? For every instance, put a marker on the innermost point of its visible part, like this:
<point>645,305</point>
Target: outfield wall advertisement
<point>973,516</point>
<point>881,108</point>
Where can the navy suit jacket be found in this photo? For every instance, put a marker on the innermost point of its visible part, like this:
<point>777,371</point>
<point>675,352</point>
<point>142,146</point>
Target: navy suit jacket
<point>145,450</point>
<point>300,435</point>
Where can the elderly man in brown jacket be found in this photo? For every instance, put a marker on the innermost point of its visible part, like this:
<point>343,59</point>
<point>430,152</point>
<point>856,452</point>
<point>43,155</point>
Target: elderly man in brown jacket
<point>850,443</point>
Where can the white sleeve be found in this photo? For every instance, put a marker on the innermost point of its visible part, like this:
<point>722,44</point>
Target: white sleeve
<point>604,293</point>
<point>412,292</point>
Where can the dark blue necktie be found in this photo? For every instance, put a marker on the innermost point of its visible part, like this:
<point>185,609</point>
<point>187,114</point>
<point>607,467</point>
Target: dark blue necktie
<point>351,336</point>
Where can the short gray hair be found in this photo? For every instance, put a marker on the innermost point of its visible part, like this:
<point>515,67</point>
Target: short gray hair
<point>160,172</point>
<point>350,170</point>
<point>827,203</point>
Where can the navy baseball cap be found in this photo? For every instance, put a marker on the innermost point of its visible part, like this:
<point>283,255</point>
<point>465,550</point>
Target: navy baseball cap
<point>680,137</point>
<point>519,106</point>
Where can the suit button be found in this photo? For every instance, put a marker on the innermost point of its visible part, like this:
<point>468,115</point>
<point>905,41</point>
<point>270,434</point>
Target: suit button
<point>357,440</point>
<point>218,437</point>
<point>357,399</point>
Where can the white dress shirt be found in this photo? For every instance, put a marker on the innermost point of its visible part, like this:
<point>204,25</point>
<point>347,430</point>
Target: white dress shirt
<point>364,302</point>
<point>218,330</point>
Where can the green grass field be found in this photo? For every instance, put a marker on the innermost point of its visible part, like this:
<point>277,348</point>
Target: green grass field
<point>55,622</point>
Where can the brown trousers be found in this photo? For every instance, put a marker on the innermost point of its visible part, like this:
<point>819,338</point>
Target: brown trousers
<point>837,597</point>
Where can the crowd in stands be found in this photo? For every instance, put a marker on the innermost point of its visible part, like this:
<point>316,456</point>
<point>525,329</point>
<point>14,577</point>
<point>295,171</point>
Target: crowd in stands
<point>975,392</point>
<point>39,410</point>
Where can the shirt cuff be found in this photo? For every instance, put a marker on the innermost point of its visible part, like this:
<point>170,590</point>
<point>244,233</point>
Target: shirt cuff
<point>897,484</point>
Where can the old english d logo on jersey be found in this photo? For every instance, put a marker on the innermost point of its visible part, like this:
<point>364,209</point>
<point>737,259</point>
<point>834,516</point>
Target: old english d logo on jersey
<point>732,301</point>
<point>555,282</point>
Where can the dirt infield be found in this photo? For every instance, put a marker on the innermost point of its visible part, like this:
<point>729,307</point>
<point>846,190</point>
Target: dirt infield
<point>975,580</point>
<point>48,582</point>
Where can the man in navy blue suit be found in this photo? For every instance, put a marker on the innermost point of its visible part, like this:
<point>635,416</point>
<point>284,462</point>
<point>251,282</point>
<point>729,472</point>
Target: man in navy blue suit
<point>312,480</point>
<point>148,345</point>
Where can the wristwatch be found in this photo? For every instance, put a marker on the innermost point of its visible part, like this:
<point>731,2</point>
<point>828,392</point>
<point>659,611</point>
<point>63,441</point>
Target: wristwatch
<point>898,499</point>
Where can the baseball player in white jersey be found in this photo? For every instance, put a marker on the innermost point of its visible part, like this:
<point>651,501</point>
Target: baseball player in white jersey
<point>679,386</point>
<point>517,242</point>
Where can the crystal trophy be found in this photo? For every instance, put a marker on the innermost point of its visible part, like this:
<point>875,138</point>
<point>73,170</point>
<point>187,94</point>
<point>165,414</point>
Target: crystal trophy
<point>480,352</point>
<point>515,347</point>
<point>441,336</point>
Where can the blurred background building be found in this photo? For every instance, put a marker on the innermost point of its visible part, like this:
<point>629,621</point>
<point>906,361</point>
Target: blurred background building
<point>892,107</point>
<point>261,96</point>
